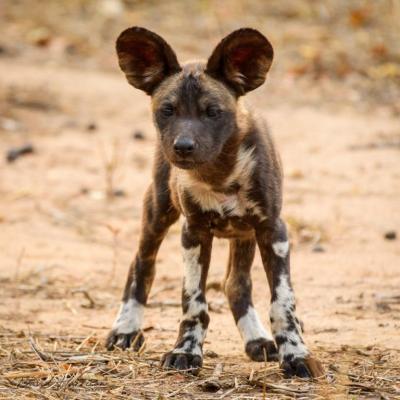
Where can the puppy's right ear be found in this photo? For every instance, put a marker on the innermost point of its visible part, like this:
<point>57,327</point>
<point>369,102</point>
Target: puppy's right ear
<point>146,58</point>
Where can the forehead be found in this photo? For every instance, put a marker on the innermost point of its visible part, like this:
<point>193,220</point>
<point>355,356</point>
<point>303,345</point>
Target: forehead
<point>192,84</point>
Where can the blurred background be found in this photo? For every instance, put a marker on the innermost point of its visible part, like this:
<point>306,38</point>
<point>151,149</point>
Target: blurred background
<point>350,48</point>
<point>76,146</point>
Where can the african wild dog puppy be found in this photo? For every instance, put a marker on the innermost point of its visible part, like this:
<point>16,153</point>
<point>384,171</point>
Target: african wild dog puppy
<point>216,165</point>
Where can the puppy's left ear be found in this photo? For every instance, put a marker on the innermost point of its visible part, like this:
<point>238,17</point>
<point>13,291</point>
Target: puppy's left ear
<point>241,60</point>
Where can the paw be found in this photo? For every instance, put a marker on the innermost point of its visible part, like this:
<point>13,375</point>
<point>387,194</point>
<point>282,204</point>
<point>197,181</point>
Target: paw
<point>307,367</point>
<point>124,340</point>
<point>182,361</point>
<point>259,348</point>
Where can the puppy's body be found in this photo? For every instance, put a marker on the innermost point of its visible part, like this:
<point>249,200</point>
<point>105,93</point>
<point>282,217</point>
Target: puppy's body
<point>229,197</point>
<point>216,165</point>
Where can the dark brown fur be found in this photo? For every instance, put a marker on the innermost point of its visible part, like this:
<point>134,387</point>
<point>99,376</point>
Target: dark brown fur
<point>215,164</point>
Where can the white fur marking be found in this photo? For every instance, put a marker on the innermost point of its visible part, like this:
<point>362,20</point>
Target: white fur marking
<point>192,288</point>
<point>279,308</point>
<point>281,249</point>
<point>251,328</point>
<point>130,317</point>
<point>192,269</point>
<point>244,166</point>
<point>197,334</point>
<point>284,300</point>
<point>223,204</point>
<point>194,307</point>
<point>299,350</point>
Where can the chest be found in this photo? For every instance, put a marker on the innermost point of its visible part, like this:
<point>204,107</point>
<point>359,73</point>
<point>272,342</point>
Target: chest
<point>224,205</point>
<point>226,213</point>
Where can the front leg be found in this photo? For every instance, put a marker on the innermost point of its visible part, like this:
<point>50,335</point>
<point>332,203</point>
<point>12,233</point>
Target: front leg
<point>158,215</point>
<point>294,357</point>
<point>188,350</point>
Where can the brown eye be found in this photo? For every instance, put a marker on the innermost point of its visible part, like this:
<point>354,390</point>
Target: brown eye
<point>167,110</point>
<point>213,112</point>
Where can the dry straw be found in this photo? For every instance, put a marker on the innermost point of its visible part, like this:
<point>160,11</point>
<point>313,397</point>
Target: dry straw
<point>65,367</point>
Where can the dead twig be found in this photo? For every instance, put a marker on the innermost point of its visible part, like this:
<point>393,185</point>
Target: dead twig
<point>278,388</point>
<point>213,383</point>
<point>18,265</point>
<point>115,232</point>
<point>87,296</point>
<point>157,304</point>
<point>111,164</point>
<point>162,289</point>
<point>39,353</point>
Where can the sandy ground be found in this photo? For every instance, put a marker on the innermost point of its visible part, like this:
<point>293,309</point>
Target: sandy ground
<point>331,100</point>
<point>61,237</point>
<point>59,233</point>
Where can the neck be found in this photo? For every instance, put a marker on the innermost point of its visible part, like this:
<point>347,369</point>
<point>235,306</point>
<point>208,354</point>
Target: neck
<point>217,172</point>
<point>230,170</point>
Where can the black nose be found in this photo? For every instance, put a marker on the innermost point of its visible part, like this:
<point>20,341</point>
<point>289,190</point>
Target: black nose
<point>183,146</point>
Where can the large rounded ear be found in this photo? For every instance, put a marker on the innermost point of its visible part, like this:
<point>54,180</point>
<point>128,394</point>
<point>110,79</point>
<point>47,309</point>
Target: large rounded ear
<point>241,60</point>
<point>146,58</point>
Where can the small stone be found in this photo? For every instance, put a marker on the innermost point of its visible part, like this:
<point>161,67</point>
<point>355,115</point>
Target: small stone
<point>39,36</point>
<point>70,124</point>
<point>210,385</point>
<point>9,124</point>
<point>383,307</point>
<point>97,194</point>
<point>210,354</point>
<point>16,152</point>
<point>119,193</point>
<point>91,126</point>
<point>391,235</point>
<point>296,174</point>
<point>138,135</point>
<point>318,248</point>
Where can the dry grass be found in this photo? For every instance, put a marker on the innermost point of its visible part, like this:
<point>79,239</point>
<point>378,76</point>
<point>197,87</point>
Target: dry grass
<point>55,367</point>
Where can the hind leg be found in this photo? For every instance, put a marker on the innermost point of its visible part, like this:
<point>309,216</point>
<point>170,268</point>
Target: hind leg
<point>258,342</point>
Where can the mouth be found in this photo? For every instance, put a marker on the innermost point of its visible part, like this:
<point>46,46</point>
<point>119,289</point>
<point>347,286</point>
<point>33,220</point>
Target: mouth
<point>185,164</point>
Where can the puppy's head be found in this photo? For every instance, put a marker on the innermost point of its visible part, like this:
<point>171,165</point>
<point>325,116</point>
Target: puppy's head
<point>194,105</point>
